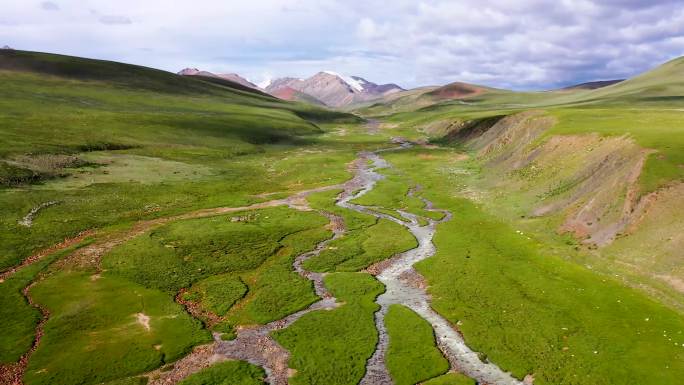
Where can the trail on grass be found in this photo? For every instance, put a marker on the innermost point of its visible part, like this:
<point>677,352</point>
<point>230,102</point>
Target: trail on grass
<point>91,255</point>
<point>254,344</point>
<point>403,286</point>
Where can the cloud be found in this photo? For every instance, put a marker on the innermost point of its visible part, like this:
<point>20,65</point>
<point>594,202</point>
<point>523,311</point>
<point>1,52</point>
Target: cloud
<point>49,6</point>
<point>114,20</point>
<point>526,44</point>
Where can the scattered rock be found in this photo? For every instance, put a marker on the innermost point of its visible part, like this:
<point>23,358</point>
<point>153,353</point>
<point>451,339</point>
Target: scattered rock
<point>143,320</point>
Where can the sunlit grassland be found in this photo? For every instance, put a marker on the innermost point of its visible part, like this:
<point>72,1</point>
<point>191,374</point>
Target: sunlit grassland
<point>173,144</point>
<point>366,240</point>
<point>560,321</point>
<point>18,316</point>
<point>412,355</point>
<point>104,327</point>
<point>392,193</point>
<point>332,346</point>
<point>228,373</point>
<point>250,258</point>
<point>275,290</point>
<point>232,183</point>
<point>217,293</point>
<point>658,129</point>
<point>451,379</point>
<point>126,317</point>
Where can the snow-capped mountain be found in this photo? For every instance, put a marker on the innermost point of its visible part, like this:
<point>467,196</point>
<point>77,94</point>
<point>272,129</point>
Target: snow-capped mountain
<point>377,89</point>
<point>333,89</point>
<point>326,87</point>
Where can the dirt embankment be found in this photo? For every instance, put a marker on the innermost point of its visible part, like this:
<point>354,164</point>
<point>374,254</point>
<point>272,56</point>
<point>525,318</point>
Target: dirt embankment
<point>590,180</point>
<point>587,181</point>
<point>456,130</point>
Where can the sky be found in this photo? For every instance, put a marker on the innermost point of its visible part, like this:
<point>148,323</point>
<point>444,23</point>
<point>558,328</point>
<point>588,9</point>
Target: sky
<point>516,44</point>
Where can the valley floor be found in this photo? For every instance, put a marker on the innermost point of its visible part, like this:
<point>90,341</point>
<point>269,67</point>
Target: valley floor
<point>393,271</point>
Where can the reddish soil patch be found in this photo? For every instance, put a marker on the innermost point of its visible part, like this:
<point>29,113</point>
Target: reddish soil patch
<point>196,310</point>
<point>201,357</point>
<point>456,91</point>
<point>285,93</point>
<point>12,374</point>
<point>65,244</point>
<point>413,279</point>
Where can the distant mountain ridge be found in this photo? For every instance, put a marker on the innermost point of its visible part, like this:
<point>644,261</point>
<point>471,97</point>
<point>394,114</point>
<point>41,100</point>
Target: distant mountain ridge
<point>593,84</point>
<point>333,89</point>
<point>324,88</point>
<point>230,76</point>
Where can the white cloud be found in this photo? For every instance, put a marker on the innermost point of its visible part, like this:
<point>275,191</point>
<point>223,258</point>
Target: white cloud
<point>522,44</point>
<point>49,6</point>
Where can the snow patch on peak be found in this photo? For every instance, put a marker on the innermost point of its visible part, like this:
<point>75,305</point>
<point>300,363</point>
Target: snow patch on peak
<point>353,83</point>
<point>265,83</point>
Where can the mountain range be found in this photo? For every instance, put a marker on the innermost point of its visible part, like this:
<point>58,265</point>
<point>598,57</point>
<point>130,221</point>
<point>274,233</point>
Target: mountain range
<point>331,89</point>
<point>230,76</point>
<point>324,88</point>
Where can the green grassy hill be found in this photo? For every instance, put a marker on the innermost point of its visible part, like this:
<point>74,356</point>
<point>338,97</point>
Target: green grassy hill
<point>72,124</point>
<point>664,84</point>
<point>566,236</point>
<point>600,164</point>
<point>565,241</point>
<point>93,147</point>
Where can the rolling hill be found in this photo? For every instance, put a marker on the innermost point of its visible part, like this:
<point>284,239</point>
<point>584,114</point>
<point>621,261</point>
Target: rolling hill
<point>233,77</point>
<point>158,228</point>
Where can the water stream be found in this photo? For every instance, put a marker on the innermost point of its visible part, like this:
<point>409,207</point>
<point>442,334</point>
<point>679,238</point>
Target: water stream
<point>400,280</point>
<point>255,344</point>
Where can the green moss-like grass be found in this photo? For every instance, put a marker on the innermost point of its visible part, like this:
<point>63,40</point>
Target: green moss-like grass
<point>225,261</point>
<point>275,290</point>
<point>451,379</point>
<point>392,193</point>
<point>217,293</point>
<point>332,346</point>
<point>560,321</point>
<point>366,240</point>
<point>239,144</point>
<point>95,333</point>
<point>176,255</point>
<point>228,373</point>
<point>412,355</point>
<point>19,318</point>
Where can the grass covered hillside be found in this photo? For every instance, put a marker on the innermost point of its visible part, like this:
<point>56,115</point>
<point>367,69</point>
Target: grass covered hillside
<point>662,85</point>
<point>597,164</point>
<point>95,153</point>
<point>591,177</point>
<point>164,229</point>
<point>109,141</point>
